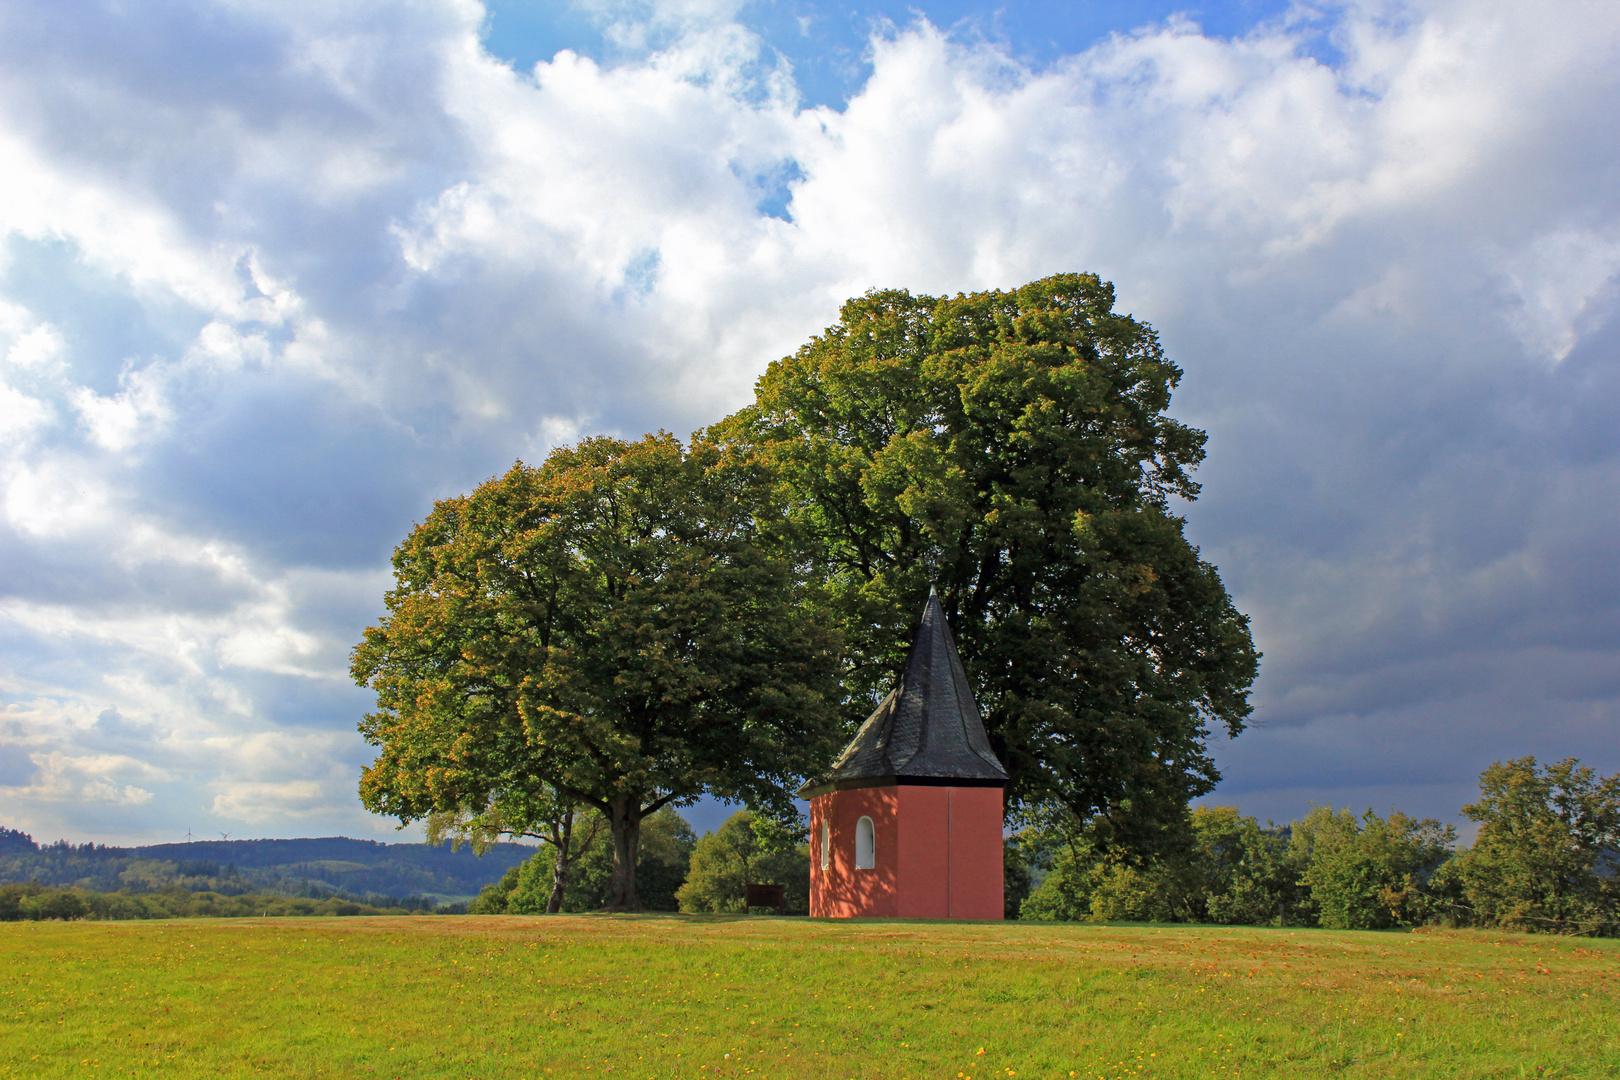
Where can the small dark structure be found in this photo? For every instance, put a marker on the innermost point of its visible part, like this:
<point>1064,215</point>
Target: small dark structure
<point>766,896</point>
<point>908,821</point>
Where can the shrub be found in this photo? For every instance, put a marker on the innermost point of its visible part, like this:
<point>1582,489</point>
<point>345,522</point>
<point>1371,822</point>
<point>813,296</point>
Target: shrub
<point>726,860</point>
<point>1370,873</point>
<point>493,898</point>
<point>1220,867</point>
<point>1015,879</point>
<point>1541,859</point>
<point>661,864</point>
<point>1064,894</point>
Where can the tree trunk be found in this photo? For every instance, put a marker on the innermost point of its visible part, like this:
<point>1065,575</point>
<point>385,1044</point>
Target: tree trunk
<point>564,843</point>
<point>624,819</point>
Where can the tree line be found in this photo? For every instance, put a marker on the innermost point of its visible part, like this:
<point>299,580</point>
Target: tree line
<point>36,902</point>
<point>1544,860</point>
<point>316,867</point>
<point>678,871</point>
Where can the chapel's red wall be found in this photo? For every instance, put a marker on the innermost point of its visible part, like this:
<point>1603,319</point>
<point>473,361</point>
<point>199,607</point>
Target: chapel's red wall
<point>925,855</point>
<point>938,854</point>
<point>977,853</point>
<point>841,891</point>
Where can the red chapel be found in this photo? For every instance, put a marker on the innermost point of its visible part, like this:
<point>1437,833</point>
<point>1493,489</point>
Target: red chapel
<point>908,821</point>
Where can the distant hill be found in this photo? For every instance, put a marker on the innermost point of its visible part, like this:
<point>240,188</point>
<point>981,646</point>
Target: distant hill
<point>363,869</point>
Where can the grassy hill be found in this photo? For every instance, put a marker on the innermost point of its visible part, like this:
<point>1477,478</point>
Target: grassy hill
<point>666,996</point>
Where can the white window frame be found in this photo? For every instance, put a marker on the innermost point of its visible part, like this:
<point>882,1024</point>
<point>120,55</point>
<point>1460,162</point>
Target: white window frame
<point>866,831</point>
<point>826,843</point>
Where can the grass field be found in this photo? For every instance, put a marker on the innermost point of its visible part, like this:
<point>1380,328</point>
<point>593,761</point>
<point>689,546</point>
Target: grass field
<point>656,996</point>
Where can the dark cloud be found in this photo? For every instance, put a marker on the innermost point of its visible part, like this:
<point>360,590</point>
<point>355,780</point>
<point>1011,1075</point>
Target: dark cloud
<point>16,767</point>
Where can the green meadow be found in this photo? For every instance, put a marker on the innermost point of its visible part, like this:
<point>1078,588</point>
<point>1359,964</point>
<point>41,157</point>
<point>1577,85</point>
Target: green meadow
<point>707,997</point>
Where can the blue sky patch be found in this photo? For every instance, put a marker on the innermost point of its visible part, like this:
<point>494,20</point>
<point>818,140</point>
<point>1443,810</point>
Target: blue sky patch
<point>827,42</point>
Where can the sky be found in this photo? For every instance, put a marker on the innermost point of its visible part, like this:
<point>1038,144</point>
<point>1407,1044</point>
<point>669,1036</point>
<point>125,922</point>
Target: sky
<point>274,276</point>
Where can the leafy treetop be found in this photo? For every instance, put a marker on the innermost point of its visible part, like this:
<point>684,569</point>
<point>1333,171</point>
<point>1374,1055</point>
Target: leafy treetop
<point>611,628</point>
<point>1013,448</point>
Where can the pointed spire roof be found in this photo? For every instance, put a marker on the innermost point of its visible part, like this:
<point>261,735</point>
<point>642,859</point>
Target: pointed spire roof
<point>927,730</point>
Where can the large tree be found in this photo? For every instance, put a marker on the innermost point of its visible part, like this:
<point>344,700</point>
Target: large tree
<point>613,627</point>
<point>1013,448</point>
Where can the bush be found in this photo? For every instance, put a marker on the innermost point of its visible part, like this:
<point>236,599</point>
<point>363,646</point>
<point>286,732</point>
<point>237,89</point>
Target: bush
<point>1370,873</point>
<point>1123,892</point>
<point>1064,894</point>
<point>1220,867</point>
<point>37,902</point>
<point>1541,860</point>
<point>54,904</point>
<point>1239,871</point>
<point>661,864</point>
<point>493,898</point>
<point>1015,879</point>
<point>731,857</point>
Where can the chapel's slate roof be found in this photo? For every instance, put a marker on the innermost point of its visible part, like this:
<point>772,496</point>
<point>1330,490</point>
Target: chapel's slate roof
<point>927,730</point>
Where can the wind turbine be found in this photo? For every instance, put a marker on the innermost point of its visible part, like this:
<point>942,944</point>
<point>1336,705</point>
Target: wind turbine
<point>188,834</point>
<point>224,836</point>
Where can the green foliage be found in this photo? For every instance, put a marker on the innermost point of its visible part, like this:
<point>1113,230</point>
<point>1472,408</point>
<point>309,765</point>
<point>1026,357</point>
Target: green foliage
<point>731,857</point>
<point>662,859</point>
<point>1370,873</point>
<point>1224,867</point>
<point>1545,859</point>
<point>1545,855</point>
<point>556,820</point>
<point>1064,892</point>
<point>1124,892</point>
<point>47,904</point>
<point>612,626</point>
<point>532,889</point>
<point>405,874</point>
<point>39,902</point>
<point>1013,447</point>
<point>1015,878</point>
<point>780,833</point>
<point>1240,871</point>
<point>493,898</point>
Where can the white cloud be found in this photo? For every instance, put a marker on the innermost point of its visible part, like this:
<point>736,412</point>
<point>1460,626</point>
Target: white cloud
<point>36,348</point>
<point>298,269</point>
<point>120,421</point>
<point>94,778</point>
<point>1565,284</point>
<point>20,415</point>
<point>255,803</point>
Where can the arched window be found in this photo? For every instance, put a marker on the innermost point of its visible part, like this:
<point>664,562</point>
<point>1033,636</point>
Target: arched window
<point>826,844</point>
<point>865,845</point>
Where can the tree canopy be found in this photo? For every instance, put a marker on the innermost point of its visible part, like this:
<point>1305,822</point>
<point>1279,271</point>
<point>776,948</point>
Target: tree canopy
<point>1548,847</point>
<point>1013,448</point>
<point>612,627</point>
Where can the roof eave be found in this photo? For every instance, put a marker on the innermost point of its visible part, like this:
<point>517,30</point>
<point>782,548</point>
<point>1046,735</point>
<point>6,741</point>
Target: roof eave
<point>826,785</point>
